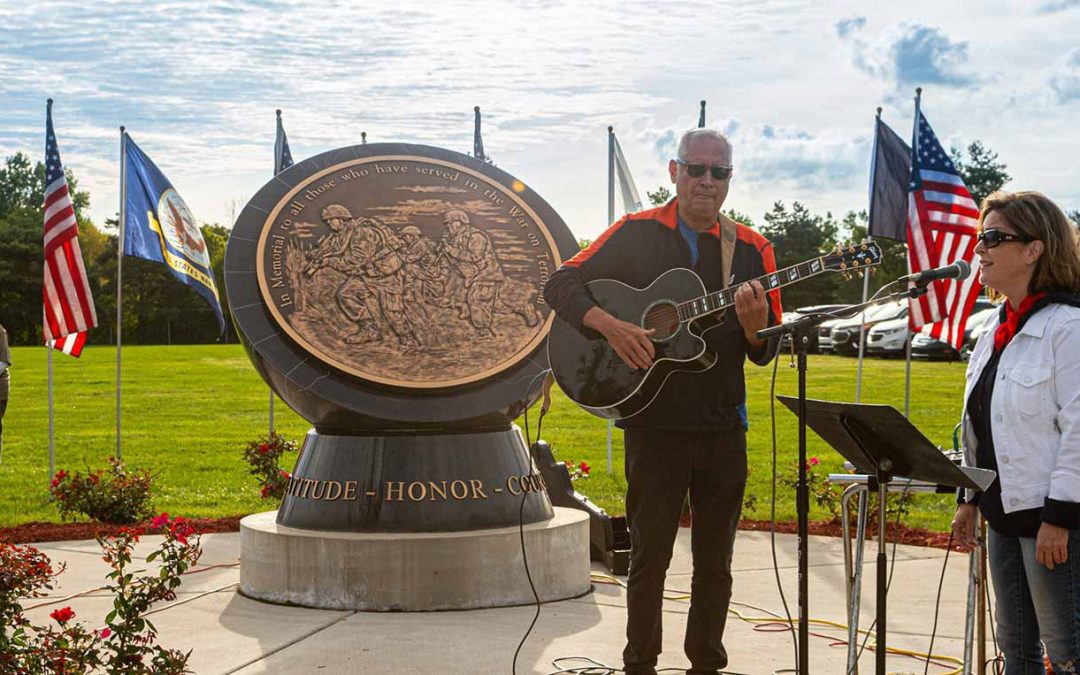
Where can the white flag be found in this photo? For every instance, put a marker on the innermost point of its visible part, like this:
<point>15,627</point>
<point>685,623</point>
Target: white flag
<point>631,200</point>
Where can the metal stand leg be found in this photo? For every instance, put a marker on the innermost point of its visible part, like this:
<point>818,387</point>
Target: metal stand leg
<point>882,582</point>
<point>853,570</point>
<point>974,589</point>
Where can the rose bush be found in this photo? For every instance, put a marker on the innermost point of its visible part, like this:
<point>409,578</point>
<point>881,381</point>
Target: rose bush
<point>113,495</point>
<point>128,641</point>
<point>264,459</point>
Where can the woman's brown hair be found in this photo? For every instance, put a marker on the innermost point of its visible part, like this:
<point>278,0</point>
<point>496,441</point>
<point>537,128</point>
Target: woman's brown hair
<point>1034,216</point>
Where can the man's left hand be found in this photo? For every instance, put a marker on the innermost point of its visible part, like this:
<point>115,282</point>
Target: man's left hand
<point>752,308</point>
<point>1052,545</point>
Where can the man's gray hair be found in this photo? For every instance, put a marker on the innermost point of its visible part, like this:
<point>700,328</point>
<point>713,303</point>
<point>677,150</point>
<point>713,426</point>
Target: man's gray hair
<point>700,132</point>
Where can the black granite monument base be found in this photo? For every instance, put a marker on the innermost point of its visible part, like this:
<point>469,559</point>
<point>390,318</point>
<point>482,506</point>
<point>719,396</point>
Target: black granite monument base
<point>414,483</point>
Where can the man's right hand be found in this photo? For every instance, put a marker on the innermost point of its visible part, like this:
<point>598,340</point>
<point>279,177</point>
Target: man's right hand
<point>630,341</point>
<point>963,526</point>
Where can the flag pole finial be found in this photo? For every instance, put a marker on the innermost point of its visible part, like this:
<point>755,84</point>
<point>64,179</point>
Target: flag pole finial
<point>278,111</point>
<point>363,137</point>
<point>610,129</point>
<point>918,91</point>
<point>122,129</point>
<point>879,111</point>
<point>48,102</point>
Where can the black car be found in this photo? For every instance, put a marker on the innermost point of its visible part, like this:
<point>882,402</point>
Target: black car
<point>927,347</point>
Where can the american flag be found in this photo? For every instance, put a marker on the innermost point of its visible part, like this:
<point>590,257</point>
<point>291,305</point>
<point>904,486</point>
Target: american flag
<point>69,307</point>
<point>282,156</point>
<point>942,219</point>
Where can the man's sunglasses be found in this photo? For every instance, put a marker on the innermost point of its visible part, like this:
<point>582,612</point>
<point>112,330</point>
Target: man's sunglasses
<point>991,238</point>
<point>698,170</point>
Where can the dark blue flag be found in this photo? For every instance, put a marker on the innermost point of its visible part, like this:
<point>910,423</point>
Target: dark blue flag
<point>158,226</point>
<point>282,156</point>
<point>890,173</point>
<point>478,143</point>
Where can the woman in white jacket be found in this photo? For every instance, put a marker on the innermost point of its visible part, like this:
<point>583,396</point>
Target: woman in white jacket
<point>1022,419</point>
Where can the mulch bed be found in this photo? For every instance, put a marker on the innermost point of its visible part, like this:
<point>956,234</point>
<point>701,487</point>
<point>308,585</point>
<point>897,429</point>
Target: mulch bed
<point>41,532</point>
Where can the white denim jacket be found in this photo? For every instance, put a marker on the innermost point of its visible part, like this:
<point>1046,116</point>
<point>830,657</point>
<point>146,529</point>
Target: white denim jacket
<point>1035,409</point>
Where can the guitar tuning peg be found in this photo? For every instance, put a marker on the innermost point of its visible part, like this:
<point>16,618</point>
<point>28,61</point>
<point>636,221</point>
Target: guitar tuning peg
<point>864,247</point>
<point>873,271</point>
<point>843,265</point>
<point>855,263</point>
<point>847,276</point>
<point>851,249</point>
<point>859,274</point>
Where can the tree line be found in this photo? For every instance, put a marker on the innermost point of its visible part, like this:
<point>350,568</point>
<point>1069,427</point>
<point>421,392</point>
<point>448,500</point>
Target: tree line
<point>160,310</point>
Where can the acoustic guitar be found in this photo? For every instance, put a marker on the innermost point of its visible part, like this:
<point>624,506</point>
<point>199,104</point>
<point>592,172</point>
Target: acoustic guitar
<point>680,310</point>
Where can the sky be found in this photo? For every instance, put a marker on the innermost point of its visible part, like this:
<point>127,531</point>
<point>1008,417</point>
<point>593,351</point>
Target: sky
<point>795,85</point>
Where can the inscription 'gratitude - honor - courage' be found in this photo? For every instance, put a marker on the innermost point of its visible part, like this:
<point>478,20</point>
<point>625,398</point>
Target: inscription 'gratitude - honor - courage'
<point>411,491</point>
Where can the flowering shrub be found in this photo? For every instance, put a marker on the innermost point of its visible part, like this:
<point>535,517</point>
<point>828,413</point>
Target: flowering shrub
<point>827,495</point>
<point>127,643</point>
<point>579,470</point>
<point>113,495</point>
<point>264,455</point>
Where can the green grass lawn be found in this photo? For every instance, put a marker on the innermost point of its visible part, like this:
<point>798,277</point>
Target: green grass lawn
<point>189,410</point>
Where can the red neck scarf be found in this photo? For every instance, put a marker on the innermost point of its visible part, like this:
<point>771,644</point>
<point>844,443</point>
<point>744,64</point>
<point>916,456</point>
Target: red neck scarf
<point>1007,329</point>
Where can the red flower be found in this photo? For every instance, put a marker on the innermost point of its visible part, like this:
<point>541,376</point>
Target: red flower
<point>181,529</point>
<point>585,468</point>
<point>160,521</point>
<point>105,633</point>
<point>263,448</point>
<point>285,474</point>
<point>814,461</point>
<point>265,491</point>
<point>62,615</point>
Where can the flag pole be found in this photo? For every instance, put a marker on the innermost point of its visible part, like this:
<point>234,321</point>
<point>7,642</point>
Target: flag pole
<point>701,116</point>
<point>270,433</point>
<point>866,279</point>
<point>52,428</point>
<point>119,276</point>
<point>907,352</point>
<point>52,432</point>
<point>610,219</point>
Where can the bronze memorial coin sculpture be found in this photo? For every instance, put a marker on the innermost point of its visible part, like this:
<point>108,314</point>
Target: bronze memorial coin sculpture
<point>391,294</point>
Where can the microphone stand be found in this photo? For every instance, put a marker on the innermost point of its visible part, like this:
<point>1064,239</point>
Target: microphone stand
<point>800,331</point>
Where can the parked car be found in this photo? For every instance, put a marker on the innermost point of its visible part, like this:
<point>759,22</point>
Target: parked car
<point>927,347</point>
<point>977,324</point>
<point>842,336</point>
<point>888,338</point>
<point>803,311</point>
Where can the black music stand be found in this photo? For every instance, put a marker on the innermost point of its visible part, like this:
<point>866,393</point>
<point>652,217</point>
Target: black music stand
<point>881,442</point>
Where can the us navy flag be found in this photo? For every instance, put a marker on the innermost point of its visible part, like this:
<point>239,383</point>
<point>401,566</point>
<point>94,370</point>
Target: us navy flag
<point>158,226</point>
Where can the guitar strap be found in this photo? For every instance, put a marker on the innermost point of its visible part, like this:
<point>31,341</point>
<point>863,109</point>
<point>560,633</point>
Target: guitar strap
<point>728,234</point>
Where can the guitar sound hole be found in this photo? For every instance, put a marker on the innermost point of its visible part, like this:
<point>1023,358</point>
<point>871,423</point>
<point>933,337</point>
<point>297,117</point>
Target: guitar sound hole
<point>663,317</point>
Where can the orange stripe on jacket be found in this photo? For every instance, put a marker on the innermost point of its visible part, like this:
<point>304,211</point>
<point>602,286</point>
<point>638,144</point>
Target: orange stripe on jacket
<point>764,248</point>
<point>665,214</point>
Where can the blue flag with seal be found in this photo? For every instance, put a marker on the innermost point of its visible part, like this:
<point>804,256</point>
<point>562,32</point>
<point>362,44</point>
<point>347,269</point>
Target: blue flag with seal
<point>158,226</point>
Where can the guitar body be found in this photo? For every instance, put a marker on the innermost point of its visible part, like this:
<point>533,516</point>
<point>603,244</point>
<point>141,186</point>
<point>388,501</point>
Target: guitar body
<point>589,371</point>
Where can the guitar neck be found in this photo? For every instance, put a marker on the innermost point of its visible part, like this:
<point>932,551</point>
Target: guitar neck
<point>710,303</point>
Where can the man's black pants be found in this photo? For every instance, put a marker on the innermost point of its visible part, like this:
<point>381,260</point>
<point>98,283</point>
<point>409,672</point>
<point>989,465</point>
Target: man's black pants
<point>660,467</point>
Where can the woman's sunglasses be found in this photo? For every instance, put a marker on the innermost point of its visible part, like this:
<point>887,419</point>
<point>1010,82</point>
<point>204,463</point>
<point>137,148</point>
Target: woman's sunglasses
<point>698,170</point>
<point>991,238</point>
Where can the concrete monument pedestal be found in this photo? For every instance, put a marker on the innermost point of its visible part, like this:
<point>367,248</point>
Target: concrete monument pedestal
<point>414,571</point>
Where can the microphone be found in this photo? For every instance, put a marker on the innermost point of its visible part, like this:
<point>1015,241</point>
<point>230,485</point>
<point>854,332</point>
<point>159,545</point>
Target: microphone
<point>958,270</point>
